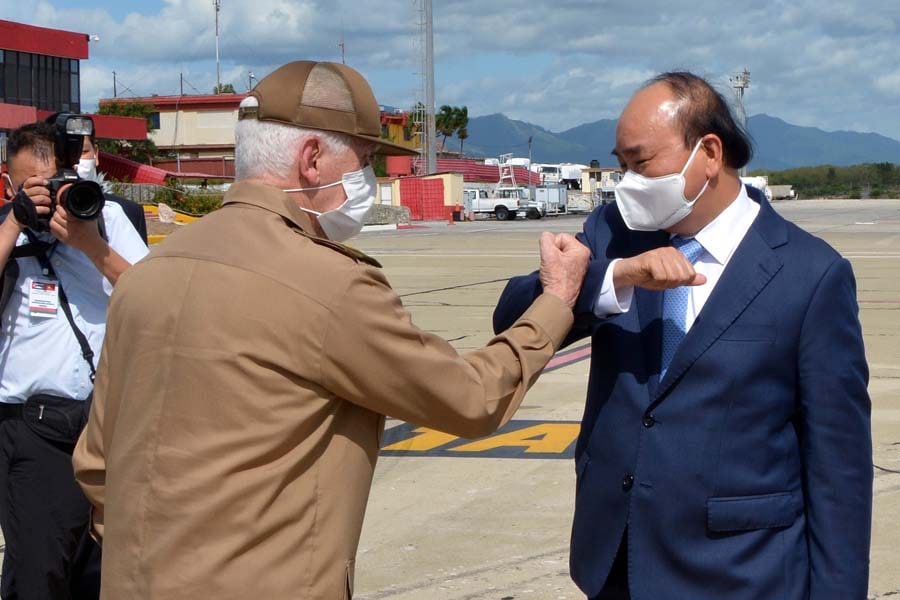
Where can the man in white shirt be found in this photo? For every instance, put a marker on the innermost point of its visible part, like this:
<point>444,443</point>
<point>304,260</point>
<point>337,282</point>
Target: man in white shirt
<point>56,265</point>
<point>725,449</point>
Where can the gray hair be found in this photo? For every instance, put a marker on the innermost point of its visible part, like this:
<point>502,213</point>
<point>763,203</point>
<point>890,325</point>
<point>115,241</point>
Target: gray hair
<point>266,149</point>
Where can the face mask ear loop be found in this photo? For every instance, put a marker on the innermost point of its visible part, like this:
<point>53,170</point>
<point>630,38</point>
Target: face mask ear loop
<point>691,157</point>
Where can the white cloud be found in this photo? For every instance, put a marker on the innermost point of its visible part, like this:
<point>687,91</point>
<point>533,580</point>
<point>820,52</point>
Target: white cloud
<point>827,63</point>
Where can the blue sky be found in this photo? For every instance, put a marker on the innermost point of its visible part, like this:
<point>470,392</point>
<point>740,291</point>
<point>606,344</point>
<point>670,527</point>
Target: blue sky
<point>823,63</point>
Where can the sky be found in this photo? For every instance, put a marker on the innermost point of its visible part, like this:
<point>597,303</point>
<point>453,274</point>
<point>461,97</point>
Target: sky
<point>832,64</point>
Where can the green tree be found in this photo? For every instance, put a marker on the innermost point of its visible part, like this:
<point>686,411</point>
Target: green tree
<point>138,150</point>
<point>445,123</point>
<point>461,122</point>
<point>223,88</point>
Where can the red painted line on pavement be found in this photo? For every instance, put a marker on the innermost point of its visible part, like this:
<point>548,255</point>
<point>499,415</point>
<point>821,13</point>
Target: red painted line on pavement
<point>568,357</point>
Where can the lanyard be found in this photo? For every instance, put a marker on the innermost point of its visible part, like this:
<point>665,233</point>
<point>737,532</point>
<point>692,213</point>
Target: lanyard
<point>44,259</point>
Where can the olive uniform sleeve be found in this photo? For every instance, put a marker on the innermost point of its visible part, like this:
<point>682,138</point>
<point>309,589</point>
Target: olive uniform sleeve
<point>375,357</point>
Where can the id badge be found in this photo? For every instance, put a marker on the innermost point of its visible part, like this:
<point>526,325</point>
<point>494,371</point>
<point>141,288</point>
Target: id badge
<point>43,297</point>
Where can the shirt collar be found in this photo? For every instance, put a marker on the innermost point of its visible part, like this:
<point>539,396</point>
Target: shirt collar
<point>720,238</point>
<point>268,198</point>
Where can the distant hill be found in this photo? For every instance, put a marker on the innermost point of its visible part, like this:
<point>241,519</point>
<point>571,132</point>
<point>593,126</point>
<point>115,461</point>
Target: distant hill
<point>497,134</point>
<point>778,145</point>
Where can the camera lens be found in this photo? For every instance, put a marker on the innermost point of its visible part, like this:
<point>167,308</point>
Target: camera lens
<point>84,200</point>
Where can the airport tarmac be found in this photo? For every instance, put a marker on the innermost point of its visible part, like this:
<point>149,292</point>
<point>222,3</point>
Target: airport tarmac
<point>451,520</point>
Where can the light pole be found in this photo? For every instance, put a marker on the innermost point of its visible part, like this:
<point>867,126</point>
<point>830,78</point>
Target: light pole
<point>218,79</point>
<point>430,135</point>
<point>530,171</point>
<point>740,83</point>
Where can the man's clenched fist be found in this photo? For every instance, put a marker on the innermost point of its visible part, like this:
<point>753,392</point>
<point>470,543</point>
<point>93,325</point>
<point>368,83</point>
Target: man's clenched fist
<point>659,269</point>
<point>564,261</point>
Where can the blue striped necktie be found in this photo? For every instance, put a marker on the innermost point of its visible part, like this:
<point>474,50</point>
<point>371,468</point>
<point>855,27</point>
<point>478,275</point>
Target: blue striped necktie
<point>675,304</point>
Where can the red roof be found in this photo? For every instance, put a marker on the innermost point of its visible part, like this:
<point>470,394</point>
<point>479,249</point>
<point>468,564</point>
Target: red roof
<point>42,40</point>
<point>108,127</point>
<point>122,169</point>
<point>187,102</point>
<point>473,171</point>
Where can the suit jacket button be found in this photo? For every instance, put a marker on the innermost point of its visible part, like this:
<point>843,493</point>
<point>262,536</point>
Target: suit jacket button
<point>627,482</point>
<point>649,421</point>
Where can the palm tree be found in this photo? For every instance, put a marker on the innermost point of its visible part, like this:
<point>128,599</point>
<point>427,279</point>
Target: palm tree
<point>445,122</point>
<point>461,120</point>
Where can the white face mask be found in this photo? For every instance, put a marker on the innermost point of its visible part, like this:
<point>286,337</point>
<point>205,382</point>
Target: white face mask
<point>654,203</point>
<point>87,168</point>
<point>345,221</point>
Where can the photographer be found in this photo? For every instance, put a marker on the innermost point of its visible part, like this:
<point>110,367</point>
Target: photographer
<point>63,252</point>
<point>87,169</point>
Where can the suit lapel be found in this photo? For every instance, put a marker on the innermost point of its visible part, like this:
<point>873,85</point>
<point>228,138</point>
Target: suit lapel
<point>750,269</point>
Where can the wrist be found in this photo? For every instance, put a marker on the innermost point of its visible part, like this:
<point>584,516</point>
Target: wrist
<point>11,225</point>
<point>94,249</point>
<point>621,274</point>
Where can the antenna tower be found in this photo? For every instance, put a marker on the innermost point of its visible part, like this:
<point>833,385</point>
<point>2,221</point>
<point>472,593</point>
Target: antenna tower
<point>740,83</point>
<point>423,112</point>
<point>218,5</point>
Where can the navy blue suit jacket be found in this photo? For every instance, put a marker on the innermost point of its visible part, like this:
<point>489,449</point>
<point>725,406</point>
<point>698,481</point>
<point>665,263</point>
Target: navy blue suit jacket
<point>746,472</point>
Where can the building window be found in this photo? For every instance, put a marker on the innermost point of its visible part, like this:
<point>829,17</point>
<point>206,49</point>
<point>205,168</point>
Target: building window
<point>11,77</point>
<point>44,82</point>
<point>25,79</point>
<point>154,120</point>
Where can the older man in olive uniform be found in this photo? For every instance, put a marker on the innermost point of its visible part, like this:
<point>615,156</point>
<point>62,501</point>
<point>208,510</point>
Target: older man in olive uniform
<point>251,359</point>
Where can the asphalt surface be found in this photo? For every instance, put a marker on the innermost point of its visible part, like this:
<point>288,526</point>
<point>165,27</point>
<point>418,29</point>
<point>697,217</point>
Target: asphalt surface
<point>449,520</point>
<point>453,525</point>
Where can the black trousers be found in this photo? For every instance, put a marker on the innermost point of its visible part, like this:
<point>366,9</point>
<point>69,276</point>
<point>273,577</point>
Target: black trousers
<point>616,586</point>
<point>44,515</point>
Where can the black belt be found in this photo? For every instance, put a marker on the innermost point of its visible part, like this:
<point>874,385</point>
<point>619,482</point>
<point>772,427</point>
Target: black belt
<point>10,411</point>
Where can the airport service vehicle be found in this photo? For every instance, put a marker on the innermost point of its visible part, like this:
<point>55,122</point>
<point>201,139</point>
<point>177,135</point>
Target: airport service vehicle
<point>503,202</point>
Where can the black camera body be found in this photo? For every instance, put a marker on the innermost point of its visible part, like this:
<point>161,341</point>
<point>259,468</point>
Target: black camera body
<point>83,199</point>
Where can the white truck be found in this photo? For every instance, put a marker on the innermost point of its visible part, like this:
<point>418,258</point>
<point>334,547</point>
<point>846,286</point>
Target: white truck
<point>501,202</point>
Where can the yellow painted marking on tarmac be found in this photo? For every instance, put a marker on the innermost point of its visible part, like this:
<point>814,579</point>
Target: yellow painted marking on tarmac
<point>428,439</point>
<point>544,438</point>
<point>155,239</point>
<point>180,217</point>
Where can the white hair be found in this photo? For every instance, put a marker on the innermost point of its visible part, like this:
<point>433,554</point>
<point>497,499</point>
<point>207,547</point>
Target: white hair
<point>266,149</point>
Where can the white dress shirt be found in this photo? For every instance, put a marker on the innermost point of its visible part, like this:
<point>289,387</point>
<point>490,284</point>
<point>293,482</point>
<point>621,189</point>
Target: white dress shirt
<point>719,239</point>
<point>42,355</point>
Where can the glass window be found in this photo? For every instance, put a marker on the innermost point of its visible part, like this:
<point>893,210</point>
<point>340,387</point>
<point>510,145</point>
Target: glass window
<point>11,77</point>
<point>25,78</point>
<point>154,120</point>
<point>74,95</point>
<point>73,66</point>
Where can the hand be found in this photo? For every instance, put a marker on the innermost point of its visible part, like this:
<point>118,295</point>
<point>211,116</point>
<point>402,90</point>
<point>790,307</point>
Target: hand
<point>36,191</point>
<point>564,262</point>
<point>79,234</point>
<point>659,269</point>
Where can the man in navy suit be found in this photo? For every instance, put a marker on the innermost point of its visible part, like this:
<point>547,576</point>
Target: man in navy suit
<point>725,449</point>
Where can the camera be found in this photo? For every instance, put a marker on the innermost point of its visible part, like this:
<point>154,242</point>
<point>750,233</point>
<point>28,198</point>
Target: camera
<point>83,199</point>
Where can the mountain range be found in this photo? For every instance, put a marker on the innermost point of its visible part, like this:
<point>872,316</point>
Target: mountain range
<point>778,145</point>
